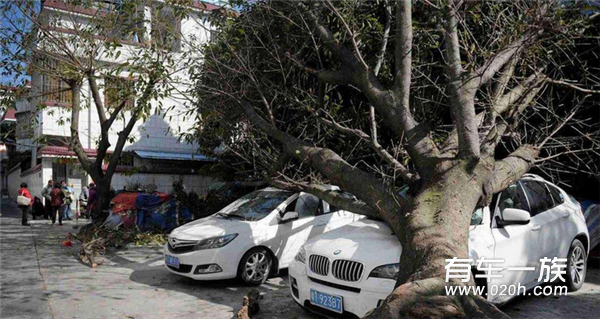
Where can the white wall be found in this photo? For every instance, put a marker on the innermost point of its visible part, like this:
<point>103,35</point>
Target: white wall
<point>14,180</point>
<point>157,133</point>
<point>33,180</point>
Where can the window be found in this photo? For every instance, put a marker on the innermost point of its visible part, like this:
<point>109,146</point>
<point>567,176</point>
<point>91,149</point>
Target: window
<point>539,197</point>
<point>477,217</point>
<point>126,160</point>
<point>557,195</point>
<point>308,205</point>
<point>54,89</point>
<point>116,90</point>
<point>513,197</point>
<point>166,28</point>
<point>256,205</point>
<point>212,36</point>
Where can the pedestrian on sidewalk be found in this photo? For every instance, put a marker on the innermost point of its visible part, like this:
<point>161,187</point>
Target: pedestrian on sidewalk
<point>83,201</point>
<point>66,205</point>
<point>92,198</point>
<point>56,202</point>
<point>38,208</point>
<point>24,205</point>
<point>47,199</point>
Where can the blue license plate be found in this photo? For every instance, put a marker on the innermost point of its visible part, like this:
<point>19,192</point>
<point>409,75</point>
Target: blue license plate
<point>327,301</point>
<point>172,261</point>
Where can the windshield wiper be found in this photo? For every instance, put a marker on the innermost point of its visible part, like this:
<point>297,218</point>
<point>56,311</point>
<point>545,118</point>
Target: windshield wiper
<point>237,216</point>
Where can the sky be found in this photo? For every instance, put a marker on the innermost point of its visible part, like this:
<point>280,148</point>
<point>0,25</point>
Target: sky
<point>9,18</point>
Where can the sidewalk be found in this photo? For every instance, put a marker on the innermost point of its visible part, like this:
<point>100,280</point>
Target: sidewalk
<point>42,279</point>
<point>23,292</point>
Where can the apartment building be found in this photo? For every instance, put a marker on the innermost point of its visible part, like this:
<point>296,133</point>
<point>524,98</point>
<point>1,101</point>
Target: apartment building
<point>155,155</point>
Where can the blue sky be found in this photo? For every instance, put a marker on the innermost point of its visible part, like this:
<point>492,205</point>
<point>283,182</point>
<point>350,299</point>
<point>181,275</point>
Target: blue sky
<point>8,12</point>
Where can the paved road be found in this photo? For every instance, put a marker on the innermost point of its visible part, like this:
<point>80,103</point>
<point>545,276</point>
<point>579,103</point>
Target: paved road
<point>39,278</point>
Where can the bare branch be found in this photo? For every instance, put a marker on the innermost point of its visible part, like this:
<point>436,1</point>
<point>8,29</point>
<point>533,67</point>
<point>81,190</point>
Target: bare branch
<point>349,178</point>
<point>332,197</point>
<point>349,32</point>
<point>96,96</point>
<point>510,169</point>
<point>386,36</point>
<point>572,86</point>
<point>452,51</point>
<point>487,71</point>
<point>403,52</point>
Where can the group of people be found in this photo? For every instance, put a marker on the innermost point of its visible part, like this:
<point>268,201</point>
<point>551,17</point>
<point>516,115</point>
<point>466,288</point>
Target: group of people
<point>58,198</point>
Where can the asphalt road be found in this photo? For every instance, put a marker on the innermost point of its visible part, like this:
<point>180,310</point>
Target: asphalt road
<point>39,278</point>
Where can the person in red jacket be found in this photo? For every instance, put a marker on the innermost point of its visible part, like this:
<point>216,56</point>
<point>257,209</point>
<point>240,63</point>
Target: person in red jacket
<point>23,191</point>
<point>56,196</point>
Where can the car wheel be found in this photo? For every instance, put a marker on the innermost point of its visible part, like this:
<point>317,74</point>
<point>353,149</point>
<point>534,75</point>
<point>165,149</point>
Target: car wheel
<point>576,266</point>
<point>255,266</point>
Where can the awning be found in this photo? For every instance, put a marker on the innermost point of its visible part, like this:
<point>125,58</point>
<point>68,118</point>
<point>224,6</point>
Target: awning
<point>172,156</point>
<point>9,116</point>
<point>64,151</point>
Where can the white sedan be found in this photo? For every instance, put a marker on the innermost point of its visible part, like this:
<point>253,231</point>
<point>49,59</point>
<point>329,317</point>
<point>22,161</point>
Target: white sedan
<point>353,269</point>
<point>255,236</point>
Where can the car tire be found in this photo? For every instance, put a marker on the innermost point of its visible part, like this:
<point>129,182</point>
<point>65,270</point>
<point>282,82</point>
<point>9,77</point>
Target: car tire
<point>255,266</point>
<point>576,266</point>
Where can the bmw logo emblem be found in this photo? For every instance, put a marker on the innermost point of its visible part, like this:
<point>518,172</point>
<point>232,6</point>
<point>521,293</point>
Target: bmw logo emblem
<point>337,252</point>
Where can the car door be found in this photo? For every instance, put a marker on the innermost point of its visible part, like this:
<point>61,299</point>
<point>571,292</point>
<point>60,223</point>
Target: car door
<point>295,233</point>
<point>567,225</point>
<point>512,243</point>
<point>546,219</point>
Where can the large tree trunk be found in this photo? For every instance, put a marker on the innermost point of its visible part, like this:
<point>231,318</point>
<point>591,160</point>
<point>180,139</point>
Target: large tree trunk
<point>100,211</point>
<point>438,229</point>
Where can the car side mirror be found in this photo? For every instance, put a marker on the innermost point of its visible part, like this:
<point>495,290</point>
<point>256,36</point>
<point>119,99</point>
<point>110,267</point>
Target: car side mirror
<point>513,216</point>
<point>288,217</point>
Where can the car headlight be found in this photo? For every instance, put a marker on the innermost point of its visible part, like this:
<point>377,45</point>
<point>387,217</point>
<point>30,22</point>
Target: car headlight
<point>215,242</point>
<point>386,271</point>
<point>301,255</point>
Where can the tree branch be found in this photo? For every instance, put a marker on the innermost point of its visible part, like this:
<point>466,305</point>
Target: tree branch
<point>96,96</point>
<point>332,197</point>
<point>405,174</point>
<point>452,45</point>
<point>403,52</point>
<point>75,142</point>
<point>487,71</point>
<point>511,168</point>
<point>124,134</point>
<point>386,35</point>
<point>573,86</point>
<point>349,178</point>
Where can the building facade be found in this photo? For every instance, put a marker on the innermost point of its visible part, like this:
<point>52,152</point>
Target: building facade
<point>154,155</point>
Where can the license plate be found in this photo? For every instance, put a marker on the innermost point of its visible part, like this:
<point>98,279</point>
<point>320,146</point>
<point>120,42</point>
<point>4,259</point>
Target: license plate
<point>327,301</point>
<point>172,261</point>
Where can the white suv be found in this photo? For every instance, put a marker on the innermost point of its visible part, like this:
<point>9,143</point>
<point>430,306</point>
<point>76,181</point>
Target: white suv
<point>353,269</point>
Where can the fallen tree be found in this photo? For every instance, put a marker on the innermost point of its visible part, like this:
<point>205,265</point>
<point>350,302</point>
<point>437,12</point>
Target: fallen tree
<point>455,99</point>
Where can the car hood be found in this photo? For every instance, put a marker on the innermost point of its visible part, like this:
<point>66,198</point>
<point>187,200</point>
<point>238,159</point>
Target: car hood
<point>211,227</point>
<point>358,241</point>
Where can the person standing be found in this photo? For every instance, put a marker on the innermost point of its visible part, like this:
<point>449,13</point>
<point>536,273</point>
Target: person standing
<point>23,204</point>
<point>56,201</point>
<point>66,201</point>
<point>47,199</point>
<point>92,198</point>
<point>83,200</point>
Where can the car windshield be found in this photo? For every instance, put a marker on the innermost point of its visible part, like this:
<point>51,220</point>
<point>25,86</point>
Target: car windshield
<point>256,205</point>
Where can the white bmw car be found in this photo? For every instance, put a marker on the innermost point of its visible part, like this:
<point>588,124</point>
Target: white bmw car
<point>351,270</point>
<point>253,237</point>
